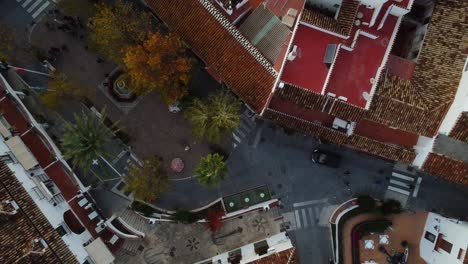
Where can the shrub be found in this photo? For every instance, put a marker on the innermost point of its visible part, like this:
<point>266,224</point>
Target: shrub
<point>214,220</point>
<point>142,208</point>
<point>390,207</point>
<point>185,217</point>
<point>366,202</point>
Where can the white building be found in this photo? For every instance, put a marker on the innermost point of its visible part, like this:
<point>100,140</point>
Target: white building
<point>35,161</point>
<point>444,241</point>
<point>274,248</point>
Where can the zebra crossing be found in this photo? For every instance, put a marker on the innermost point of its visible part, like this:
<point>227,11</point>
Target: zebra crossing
<point>246,126</point>
<point>307,215</point>
<point>34,7</point>
<point>402,185</point>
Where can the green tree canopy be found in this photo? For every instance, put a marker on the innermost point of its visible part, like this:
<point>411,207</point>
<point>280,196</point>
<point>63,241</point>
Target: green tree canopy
<point>211,170</point>
<point>115,27</point>
<point>84,140</point>
<point>214,118</point>
<point>149,181</point>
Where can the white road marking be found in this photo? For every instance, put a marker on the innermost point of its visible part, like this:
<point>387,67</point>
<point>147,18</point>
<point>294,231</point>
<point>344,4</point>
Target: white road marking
<point>398,190</point>
<point>298,220</point>
<point>399,183</point>
<point>311,215</point>
<point>26,3</point>
<point>31,8</point>
<point>310,202</point>
<point>401,176</point>
<point>304,217</point>
<point>44,6</point>
<point>416,189</point>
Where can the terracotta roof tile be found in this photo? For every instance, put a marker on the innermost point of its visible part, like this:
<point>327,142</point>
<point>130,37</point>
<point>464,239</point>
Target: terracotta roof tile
<point>343,25</point>
<point>27,224</point>
<point>447,168</point>
<point>239,64</point>
<point>288,256</point>
<point>420,104</point>
<point>460,130</point>
<point>398,114</point>
<point>316,130</point>
<point>315,101</point>
<point>386,151</point>
<point>440,63</point>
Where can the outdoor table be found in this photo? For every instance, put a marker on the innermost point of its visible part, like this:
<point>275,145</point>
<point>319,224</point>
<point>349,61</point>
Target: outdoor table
<point>383,240</point>
<point>369,244</point>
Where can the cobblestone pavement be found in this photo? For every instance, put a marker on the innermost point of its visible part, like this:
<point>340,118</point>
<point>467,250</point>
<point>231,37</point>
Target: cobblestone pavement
<point>182,243</point>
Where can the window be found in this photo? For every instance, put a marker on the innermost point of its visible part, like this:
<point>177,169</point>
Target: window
<point>429,236</point>
<point>460,254</point>
<point>444,244</point>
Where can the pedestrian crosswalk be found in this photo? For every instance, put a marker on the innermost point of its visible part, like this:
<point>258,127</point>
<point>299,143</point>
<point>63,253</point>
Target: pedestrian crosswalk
<point>307,215</point>
<point>403,184</point>
<point>34,7</point>
<point>246,126</point>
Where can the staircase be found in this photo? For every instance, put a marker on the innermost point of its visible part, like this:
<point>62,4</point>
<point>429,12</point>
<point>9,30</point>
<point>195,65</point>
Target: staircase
<point>135,220</point>
<point>130,247</point>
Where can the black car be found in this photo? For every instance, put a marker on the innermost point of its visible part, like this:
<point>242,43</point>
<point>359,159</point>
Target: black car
<point>326,158</point>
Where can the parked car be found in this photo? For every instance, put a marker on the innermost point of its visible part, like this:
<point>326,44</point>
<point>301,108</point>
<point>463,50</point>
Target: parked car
<point>326,158</point>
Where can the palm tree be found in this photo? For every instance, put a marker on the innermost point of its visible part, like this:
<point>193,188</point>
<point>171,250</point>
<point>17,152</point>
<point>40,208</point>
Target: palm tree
<point>84,141</point>
<point>216,117</point>
<point>149,181</point>
<point>211,170</point>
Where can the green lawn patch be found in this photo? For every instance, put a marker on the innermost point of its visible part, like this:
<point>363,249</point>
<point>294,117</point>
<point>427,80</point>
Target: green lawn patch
<point>247,198</point>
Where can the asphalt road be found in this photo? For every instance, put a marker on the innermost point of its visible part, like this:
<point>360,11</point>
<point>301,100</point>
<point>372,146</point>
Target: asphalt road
<point>18,16</point>
<point>306,189</point>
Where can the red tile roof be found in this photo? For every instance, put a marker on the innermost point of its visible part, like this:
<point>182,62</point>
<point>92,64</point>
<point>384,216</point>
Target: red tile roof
<point>288,256</point>
<point>38,148</point>
<point>460,130</point>
<point>63,181</point>
<point>27,224</point>
<point>419,106</point>
<point>14,117</point>
<point>236,61</point>
<point>400,67</point>
<point>343,25</point>
<point>386,134</point>
<point>447,168</point>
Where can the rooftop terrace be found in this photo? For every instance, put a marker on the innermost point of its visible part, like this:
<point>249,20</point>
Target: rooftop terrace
<point>356,63</point>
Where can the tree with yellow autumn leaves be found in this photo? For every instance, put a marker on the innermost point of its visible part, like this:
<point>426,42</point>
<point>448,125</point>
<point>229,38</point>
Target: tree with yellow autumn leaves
<point>159,64</point>
<point>115,27</point>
